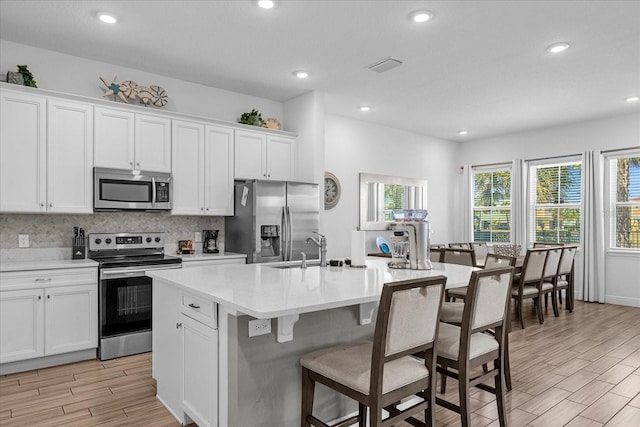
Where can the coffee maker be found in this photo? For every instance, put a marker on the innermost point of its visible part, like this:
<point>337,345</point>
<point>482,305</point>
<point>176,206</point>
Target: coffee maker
<point>210,241</point>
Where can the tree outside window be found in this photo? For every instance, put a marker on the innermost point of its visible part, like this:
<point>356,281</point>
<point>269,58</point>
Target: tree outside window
<point>625,177</point>
<point>492,205</point>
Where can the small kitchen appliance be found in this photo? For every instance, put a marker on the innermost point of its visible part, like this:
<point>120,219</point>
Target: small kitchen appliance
<point>410,241</point>
<point>124,189</point>
<point>124,290</point>
<point>210,241</point>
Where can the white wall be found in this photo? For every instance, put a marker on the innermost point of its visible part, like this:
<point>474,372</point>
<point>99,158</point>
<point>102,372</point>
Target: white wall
<point>622,271</point>
<point>353,146</point>
<point>79,76</point>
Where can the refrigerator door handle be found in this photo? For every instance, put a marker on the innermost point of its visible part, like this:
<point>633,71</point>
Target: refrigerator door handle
<point>284,236</point>
<point>289,234</point>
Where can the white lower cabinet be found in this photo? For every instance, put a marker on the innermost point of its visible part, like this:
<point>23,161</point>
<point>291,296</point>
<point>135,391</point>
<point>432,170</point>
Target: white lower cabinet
<point>21,325</point>
<point>185,354</point>
<point>40,316</point>
<point>200,372</point>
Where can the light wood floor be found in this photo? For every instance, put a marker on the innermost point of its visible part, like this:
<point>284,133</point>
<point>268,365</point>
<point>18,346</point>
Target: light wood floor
<point>581,370</point>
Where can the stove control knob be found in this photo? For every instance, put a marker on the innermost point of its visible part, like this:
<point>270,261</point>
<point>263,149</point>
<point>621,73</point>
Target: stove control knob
<point>157,239</point>
<point>108,241</point>
<point>148,239</point>
<point>98,241</point>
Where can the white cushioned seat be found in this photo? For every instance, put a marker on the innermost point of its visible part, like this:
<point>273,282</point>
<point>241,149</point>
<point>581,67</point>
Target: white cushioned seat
<point>451,312</point>
<point>350,364</point>
<point>449,343</point>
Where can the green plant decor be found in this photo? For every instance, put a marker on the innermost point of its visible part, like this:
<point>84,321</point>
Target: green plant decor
<point>254,118</point>
<point>28,77</point>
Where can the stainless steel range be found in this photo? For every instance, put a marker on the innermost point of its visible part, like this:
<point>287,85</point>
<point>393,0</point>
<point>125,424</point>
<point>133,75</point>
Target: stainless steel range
<point>124,292</point>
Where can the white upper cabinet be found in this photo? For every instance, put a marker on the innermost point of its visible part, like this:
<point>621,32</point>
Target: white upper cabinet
<point>46,155</point>
<point>202,171</point>
<point>153,143</point>
<point>263,156</point>
<point>125,140</point>
<point>69,157</point>
<point>218,170</point>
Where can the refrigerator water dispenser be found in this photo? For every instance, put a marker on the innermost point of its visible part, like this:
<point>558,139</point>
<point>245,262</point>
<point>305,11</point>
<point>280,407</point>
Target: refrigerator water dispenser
<point>269,240</point>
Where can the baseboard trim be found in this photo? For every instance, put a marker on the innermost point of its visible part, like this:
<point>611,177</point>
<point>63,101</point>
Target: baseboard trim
<point>47,361</point>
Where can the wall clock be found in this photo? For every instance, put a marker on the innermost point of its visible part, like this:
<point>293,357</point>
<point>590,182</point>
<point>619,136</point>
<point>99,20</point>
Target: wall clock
<point>331,190</point>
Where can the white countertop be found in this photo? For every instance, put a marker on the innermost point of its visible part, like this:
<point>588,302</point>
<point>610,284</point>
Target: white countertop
<point>6,266</point>
<point>207,257</point>
<point>265,292</point>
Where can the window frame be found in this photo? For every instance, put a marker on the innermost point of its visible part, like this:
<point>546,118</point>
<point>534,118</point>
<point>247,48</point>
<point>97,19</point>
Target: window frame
<point>504,167</point>
<point>611,203</point>
<point>531,202</point>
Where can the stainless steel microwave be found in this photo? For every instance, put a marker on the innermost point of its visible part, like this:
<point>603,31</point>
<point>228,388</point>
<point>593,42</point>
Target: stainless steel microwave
<point>124,189</point>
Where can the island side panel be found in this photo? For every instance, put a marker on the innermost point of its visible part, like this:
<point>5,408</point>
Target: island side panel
<point>263,377</point>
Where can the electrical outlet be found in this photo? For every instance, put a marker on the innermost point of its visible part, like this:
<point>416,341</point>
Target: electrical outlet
<point>197,237</point>
<point>23,240</point>
<point>259,327</point>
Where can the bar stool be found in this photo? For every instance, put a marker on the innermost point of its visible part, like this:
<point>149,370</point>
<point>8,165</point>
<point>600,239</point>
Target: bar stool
<point>381,373</point>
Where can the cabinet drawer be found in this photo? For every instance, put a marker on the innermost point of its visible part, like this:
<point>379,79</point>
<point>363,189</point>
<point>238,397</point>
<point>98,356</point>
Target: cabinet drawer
<point>200,309</point>
<point>32,279</point>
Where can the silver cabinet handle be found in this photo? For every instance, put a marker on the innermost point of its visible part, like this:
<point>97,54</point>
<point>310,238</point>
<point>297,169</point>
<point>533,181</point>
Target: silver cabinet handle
<point>39,296</point>
<point>130,163</point>
<point>43,279</point>
<point>178,325</point>
<point>50,205</point>
<point>42,205</point>
<point>138,164</point>
<point>196,306</point>
<point>48,296</point>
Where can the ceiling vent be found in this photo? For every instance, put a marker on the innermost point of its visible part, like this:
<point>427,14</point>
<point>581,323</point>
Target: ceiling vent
<point>385,65</point>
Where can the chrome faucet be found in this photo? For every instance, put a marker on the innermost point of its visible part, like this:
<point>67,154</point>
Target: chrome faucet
<point>304,260</point>
<point>322,244</point>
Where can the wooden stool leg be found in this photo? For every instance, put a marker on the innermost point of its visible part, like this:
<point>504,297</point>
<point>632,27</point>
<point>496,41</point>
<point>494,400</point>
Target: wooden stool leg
<point>308,389</point>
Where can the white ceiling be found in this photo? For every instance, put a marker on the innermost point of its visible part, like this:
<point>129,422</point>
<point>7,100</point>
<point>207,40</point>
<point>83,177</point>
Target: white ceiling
<point>478,65</point>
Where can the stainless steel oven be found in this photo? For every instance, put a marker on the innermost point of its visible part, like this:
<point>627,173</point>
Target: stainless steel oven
<point>124,291</point>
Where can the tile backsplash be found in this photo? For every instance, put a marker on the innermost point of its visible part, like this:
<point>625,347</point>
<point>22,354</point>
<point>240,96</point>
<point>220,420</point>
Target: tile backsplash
<point>56,231</point>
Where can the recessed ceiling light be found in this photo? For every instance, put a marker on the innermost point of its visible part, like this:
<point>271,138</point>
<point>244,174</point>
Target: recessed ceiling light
<point>463,132</point>
<point>301,74</point>
<point>106,18</point>
<point>632,99</point>
<point>364,108</point>
<point>421,16</point>
<point>266,4</point>
<point>558,47</point>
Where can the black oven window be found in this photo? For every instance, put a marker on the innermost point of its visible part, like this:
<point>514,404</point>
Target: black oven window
<point>126,191</point>
<point>126,305</point>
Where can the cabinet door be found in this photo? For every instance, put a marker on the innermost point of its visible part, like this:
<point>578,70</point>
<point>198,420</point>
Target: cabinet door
<point>69,157</point>
<point>218,170</point>
<point>21,325</point>
<point>200,372</point>
<point>250,155</point>
<point>113,145</point>
<point>153,143</point>
<point>280,158</point>
<point>71,314</point>
<point>22,152</point>
<point>167,346</point>
<point>188,163</point>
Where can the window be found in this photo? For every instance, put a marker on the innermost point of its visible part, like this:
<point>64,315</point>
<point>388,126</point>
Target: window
<point>492,204</point>
<point>554,202</point>
<point>624,200</point>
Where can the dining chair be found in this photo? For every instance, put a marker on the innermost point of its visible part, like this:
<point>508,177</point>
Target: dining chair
<point>546,244</point>
<point>460,245</point>
<point>458,256</point>
<point>528,285</point>
<point>480,251</point>
<point>549,276</point>
<point>435,254</point>
<point>564,279</point>
<point>381,373</point>
<point>466,347</point>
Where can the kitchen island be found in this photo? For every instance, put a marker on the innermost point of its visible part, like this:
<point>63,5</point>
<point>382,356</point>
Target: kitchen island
<point>208,368</point>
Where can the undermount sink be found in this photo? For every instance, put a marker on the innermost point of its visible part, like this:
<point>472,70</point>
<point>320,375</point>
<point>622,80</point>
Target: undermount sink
<point>295,264</point>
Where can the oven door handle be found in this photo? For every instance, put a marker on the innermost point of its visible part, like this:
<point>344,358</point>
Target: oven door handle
<point>119,274</point>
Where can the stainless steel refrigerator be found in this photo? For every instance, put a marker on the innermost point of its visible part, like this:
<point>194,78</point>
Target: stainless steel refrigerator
<point>273,220</point>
